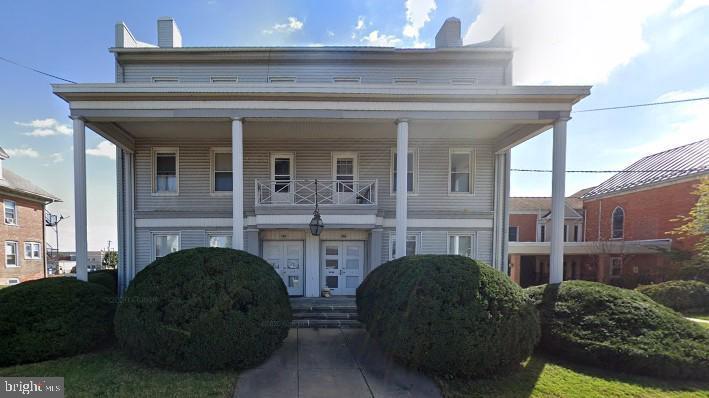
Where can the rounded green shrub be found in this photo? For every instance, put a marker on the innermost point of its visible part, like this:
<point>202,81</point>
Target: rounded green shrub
<point>448,315</point>
<point>204,309</point>
<point>690,296</point>
<point>694,271</point>
<point>105,277</point>
<point>51,318</point>
<point>620,329</point>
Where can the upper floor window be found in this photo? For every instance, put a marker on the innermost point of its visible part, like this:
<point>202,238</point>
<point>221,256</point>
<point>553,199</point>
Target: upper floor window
<point>618,219</point>
<point>577,233</point>
<point>513,234</point>
<point>410,171</point>
<point>282,165</point>
<point>165,172</point>
<point>344,170</point>
<point>10,212</point>
<point>11,254</point>
<point>165,79</point>
<point>461,245</point>
<point>32,250</point>
<point>461,171</point>
<point>166,244</point>
<point>222,170</point>
<point>542,233</point>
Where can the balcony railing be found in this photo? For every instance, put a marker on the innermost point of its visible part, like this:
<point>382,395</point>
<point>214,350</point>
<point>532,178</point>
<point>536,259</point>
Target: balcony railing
<point>302,192</point>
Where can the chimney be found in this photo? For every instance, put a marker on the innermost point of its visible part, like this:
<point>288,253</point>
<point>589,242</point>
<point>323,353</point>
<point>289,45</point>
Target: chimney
<point>449,34</point>
<point>168,33</point>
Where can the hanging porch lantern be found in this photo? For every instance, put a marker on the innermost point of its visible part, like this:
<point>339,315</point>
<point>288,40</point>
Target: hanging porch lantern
<point>316,224</point>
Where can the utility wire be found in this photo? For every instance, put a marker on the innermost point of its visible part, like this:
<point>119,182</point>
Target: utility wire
<point>642,105</point>
<point>620,171</point>
<point>36,70</point>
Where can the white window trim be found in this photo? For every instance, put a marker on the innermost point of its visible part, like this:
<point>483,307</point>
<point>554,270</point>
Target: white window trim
<point>39,250</point>
<point>219,233</point>
<point>473,241</point>
<point>153,156</point>
<point>212,170</point>
<point>10,281</point>
<point>610,267</point>
<point>282,79</point>
<point>622,235</point>
<point>155,234</point>
<point>272,166</point>
<point>4,208</point>
<point>224,79</point>
<point>17,254</point>
<point>417,235</point>
<point>415,191</point>
<point>516,227</point>
<point>471,182</point>
<point>345,155</point>
<point>165,79</point>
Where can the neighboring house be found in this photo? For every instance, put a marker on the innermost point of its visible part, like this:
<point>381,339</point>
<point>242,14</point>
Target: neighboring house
<point>22,227</point>
<point>407,149</point>
<point>66,261</point>
<point>625,222</point>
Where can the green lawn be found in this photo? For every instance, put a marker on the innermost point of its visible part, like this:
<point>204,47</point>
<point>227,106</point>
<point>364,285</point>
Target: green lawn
<point>109,373</point>
<point>546,377</point>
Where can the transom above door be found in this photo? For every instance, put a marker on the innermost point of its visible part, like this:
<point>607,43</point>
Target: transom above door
<point>286,257</point>
<point>342,266</point>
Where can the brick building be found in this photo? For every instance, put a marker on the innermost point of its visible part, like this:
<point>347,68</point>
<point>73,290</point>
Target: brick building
<point>625,222</point>
<point>22,227</point>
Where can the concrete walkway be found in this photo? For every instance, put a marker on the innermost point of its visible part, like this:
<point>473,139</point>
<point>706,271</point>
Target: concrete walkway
<point>341,363</point>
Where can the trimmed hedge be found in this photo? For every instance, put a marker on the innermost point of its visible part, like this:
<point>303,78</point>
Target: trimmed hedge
<point>694,271</point>
<point>448,315</point>
<point>105,277</point>
<point>620,329</point>
<point>51,318</point>
<point>692,296</point>
<point>204,309</point>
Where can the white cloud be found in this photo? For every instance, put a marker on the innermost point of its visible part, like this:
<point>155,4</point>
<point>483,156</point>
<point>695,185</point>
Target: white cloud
<point>360,23</point>
<point>46,127</point>
<point>103,149</point>
<point>293,24</point>
<point>570,41</point>
<point>56,157</point>
<point>25,152</point>
<point>330,33</point>
<point>418,12</point>
<point>377,40</point>
<point>689,6</point>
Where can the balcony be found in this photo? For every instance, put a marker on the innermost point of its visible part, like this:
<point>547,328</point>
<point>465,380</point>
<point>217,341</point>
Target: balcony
<point>330,193</point>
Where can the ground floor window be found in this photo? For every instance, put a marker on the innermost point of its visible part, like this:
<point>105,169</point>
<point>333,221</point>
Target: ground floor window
<point>412,244</point>
<point>32,250</point>
<point>11,254</point>
<point>461,245</point>
<point>166,244</point>
<point>218,240</point>
<point>13,281</point>
<point>616,267</point>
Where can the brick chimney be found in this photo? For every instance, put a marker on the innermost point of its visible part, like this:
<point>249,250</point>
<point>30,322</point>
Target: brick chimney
<point>168,33</point>
<point>449,34</point>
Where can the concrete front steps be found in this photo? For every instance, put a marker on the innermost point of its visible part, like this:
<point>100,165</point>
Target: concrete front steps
<point>335,312</point>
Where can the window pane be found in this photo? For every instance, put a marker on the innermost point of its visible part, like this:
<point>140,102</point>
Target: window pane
<point>165,244</point>
<point>281,166</point>
<point>460,162</point>
<point>410,175</point>
<point>410,246</point>
<point>223,181</point>
<point>345,166</point>
<point>28,250</point>
<point>465,246</point>
<point>166,183</point>
<point>166,164</point>
<point>222,161</point>
<point>220,241</point>
<point>410,162</point>
<point>11,253</point>
<point>10,212</point>
<point>512,237</point>
<point>460,182</point>
<point>35,250</point>
<point>618,217</point>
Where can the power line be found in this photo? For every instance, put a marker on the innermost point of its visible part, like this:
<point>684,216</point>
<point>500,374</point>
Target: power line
<point>642,105</point>
<point>620,171</point>
<point>36,70</point>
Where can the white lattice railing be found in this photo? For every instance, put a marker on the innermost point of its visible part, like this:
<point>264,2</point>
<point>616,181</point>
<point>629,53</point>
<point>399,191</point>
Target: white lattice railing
<point>302,192</point>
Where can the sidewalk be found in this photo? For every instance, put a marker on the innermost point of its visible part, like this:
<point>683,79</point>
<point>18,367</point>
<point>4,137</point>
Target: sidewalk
<point>345,363</point>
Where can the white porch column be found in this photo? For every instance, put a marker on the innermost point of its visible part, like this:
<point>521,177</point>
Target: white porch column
<point>558,187</point>
<point>237,158</point>
<point>402,157</point>
<point>82,255</point>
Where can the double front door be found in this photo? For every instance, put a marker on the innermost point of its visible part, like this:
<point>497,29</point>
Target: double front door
<point>341,266</point>
<point>286,257</point>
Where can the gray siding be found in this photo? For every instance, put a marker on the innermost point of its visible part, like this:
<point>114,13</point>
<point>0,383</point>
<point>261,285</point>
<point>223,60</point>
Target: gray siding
<point>435,241</point>
<point>484,72</point>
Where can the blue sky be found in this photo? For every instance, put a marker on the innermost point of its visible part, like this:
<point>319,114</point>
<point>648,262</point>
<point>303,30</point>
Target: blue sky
<point>631,51</point>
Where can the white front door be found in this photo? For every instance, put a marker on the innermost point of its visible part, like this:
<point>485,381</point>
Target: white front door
<point>286,257</point>
<point>342,266</point>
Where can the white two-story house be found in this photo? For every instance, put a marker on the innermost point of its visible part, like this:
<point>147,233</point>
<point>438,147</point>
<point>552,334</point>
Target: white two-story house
<point>404,151</point>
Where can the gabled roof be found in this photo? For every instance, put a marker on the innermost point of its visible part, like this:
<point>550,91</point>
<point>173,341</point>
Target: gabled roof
<point>540,203</point>
<point>12,182</point>
<point>681,162</point>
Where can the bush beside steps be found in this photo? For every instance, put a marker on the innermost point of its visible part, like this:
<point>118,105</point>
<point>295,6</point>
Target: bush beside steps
<point>620,329</point>
<point>204,309</point>
<point>448,315</point>
<point>51,318</point>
